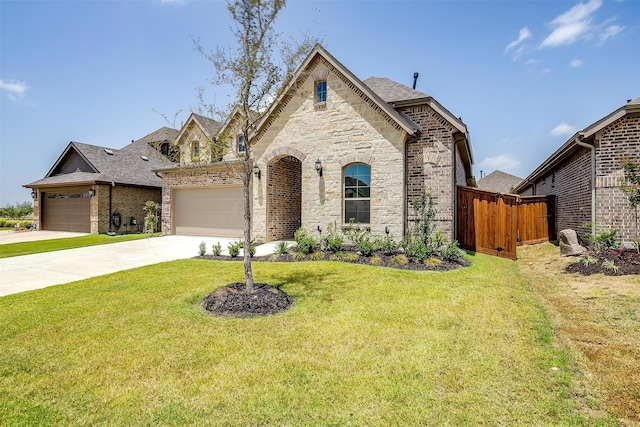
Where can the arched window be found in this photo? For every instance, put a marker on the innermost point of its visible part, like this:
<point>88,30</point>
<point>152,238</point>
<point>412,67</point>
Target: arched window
<point>357,193</point>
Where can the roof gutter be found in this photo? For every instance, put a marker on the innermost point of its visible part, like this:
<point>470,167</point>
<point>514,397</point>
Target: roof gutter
<point>581,143</point>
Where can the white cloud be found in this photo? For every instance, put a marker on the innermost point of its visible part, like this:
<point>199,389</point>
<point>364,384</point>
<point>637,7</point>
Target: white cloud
<point>572,24</point>
<point>576,63</point>
<point>610,31</point>
<point>563,129</point>
<point>524,34</point>
<point>501,162</point>
<point>14,90</point>
<point>532,61</point>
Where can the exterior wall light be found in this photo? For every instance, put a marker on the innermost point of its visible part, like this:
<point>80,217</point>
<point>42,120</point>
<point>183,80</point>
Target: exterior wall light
<point>34,194</point>
<point>386,229</point>
<point>319,167</point>
<point>256,171</point>
<point>92,192</point>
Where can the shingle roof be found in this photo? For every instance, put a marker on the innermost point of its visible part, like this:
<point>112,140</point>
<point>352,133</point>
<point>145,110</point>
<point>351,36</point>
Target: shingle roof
<point>391,91</point>
<point>210,126</point>
<point>500,182</point>
<point>124,166</point>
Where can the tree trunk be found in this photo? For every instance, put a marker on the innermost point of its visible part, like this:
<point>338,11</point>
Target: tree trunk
<point>246,192</point>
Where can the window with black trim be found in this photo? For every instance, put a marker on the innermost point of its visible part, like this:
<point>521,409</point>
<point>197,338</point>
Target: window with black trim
<point>195,150</point>
<point>321,91</point>
<point>357,193</point>
<point>240,144</point>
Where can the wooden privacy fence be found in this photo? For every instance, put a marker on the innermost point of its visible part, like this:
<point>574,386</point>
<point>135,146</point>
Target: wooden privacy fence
<point>495,224</point>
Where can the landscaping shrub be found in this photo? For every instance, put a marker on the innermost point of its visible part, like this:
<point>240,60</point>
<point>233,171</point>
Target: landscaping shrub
<point>432,262</point>
<point>317,256</point>
<point>282,248</point>
<point>605,242</point>
<point>306,242</point>
<point>375,260</point>
<point>217,249</point>
<point>362,239</point>
<point>202,249</point>
<point>350,257</point>
<point>2,222</point>
<point>298,256</point>
<point>452,252</point>
<point>234,249</point>
<point>399,260</point>
<point>387,245</point>
<point>333,240</point>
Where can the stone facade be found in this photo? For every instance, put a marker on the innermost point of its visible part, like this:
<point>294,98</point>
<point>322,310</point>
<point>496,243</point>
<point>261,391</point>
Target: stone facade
<point>346,129</point>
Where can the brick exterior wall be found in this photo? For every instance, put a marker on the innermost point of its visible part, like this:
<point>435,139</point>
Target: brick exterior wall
<point>430,166</point>
<point>128,201</point>
<point>284,197</point>
<point>622,136</point>
<point>212,176</point>
<point>570,181</point>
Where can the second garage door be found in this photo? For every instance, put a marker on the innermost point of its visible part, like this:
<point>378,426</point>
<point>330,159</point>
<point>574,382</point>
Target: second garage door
<point>66,210</point>
<point>209,212</point>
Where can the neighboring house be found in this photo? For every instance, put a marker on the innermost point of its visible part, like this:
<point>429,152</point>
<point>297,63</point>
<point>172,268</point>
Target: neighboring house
<point>88,186</point>
<point>585,174</point>
<point>331,148</point>
<point>499,182</point>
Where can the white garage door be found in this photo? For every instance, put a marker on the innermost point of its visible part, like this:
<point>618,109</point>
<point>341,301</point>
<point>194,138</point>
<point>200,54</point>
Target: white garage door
<point>209,212</point>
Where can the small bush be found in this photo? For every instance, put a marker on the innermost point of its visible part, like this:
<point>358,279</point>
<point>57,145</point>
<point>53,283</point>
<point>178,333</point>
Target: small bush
<point>282,248</point>
<point>415,249</point>
<point>432,262</point>
<point>306,242</point>
<point>317,256</point>
<point>350,257</point>
<point>387,245</point>
<point>217,249</point>
<point>375,260</point>
<point>298,256</point>
<point>337,256</point>
<point>362,239</point>
<point>452,252</point>
<point>2,222</point>
<point>333,240</point>
<point>605,242</point>
<point>234,249</point>
<point>202,249</point>
<point>610,265</point>
<point>26,224</point>
<point>400,260</point>
<point>275,257</point>
<point>587,261</point>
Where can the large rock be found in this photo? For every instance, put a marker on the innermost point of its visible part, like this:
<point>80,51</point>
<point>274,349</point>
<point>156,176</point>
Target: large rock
<point>569,244</point>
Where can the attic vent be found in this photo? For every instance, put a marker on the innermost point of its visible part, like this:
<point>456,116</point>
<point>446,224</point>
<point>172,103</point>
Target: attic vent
<point>109,152</point>
<point>145,158</point>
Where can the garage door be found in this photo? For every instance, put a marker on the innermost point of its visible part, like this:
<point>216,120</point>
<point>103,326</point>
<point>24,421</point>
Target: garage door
<point>66,211</point>
<point>209,212</point>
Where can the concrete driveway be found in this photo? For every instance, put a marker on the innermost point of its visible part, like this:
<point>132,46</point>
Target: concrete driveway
<point>28,272</point>
<point>10,236</point>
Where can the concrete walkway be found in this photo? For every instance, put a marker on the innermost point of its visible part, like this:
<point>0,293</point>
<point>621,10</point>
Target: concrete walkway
<point>28,272</point>
<point>10,236</point>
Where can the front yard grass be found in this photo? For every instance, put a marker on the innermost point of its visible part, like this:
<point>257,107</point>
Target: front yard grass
<point>598,317</point>
<point>361,345</point>
<point>35,247</point>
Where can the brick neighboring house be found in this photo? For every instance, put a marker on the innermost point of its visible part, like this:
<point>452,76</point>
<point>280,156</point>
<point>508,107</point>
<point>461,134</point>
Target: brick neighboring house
<point>88,184</point>
<point>331,147</point>
<point>499,182</point>
<point>585,173</point>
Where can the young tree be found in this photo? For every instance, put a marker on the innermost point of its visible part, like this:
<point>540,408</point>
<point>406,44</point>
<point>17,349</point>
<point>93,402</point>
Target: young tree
<point>256,71</point>
<point>630,185</point>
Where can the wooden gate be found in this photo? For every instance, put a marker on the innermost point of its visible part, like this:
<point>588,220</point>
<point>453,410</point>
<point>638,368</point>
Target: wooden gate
<point>495,224</point>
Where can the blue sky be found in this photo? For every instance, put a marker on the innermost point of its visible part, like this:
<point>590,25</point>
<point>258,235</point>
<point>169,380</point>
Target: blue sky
<point>523,75</point>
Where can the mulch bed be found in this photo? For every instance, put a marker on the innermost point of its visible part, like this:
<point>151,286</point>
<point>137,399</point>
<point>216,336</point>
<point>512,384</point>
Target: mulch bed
<point>233,301</point>
<point>626,260</point>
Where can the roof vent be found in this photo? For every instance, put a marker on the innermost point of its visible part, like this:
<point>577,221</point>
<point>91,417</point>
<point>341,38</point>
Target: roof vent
<point>145,158</point>
<point>109,152</point>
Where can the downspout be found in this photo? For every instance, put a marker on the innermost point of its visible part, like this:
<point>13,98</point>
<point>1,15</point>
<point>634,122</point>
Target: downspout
<point>455,191</point>
<point>593,181</point>
<point>404,189</point>
<point>113,184</point>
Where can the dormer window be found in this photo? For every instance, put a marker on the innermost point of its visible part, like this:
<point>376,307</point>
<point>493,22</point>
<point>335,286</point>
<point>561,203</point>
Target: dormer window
<point>195,149</point>
<point>240,143</point>
<point>321,92</point>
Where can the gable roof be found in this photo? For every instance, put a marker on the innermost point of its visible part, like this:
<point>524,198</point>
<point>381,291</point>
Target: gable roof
<point>130,165</point>
<point>586,135</point>
<point>208,126</point>
<point>399,95</point>
<point>318,51</point>
<point>499,182</point>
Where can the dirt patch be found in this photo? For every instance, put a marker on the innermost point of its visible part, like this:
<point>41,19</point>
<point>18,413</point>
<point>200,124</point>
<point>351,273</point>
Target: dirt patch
<point>233,301</point>
<point>621,262</point>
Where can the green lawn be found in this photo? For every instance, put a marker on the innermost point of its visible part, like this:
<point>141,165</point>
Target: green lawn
<point>27,248</point>
<point>361,346</point>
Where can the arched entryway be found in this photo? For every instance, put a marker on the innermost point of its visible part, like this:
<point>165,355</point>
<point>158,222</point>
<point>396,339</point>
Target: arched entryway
<point>284,197</point>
